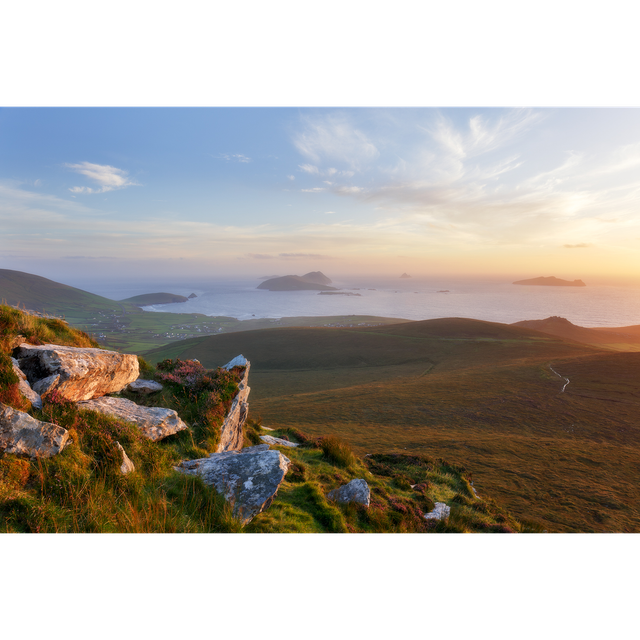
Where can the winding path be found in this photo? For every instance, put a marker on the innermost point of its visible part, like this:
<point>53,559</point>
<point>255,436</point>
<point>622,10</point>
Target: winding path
<point>559,376</point>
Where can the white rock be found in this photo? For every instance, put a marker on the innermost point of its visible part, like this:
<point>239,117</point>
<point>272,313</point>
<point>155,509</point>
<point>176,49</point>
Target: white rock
<point>127,466</point>
<point>22,434</point>
<point>154,422</point>
<point>238,361</point>
<point>144,386</point>
<point>232,430</point>
<point>440,512</point>
<point>278,441</point>
<point>355,491</point>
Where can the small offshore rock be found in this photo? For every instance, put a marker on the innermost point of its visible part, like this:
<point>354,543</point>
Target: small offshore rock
<point>355,491</point>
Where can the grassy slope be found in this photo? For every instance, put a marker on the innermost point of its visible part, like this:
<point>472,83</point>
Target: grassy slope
<point>82,490</point>
<point>480,394</point>
<point>127,328</point>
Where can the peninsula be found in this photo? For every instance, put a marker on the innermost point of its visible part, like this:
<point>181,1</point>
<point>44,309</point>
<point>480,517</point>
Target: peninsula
<point>551,281</point>
<point>148,299</point>
<point>313,281</point>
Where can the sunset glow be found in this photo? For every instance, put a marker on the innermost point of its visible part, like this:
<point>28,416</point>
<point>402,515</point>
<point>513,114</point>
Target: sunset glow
<point>498,193</point>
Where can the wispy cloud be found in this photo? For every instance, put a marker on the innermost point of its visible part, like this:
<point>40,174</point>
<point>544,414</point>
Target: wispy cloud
<point>109,178</point>
<point>582,245</point>
<point>233,157</point>
<point>335,137</point>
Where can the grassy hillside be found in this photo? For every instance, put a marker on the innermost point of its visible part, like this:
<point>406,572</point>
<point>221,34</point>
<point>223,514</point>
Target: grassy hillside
<point>476,393</point>
<point>82,489</point>
<point>614,338</point>
<point>124,326</point>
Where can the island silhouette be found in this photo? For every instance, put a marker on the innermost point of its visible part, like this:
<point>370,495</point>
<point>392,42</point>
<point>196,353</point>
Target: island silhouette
<point>551,281</point>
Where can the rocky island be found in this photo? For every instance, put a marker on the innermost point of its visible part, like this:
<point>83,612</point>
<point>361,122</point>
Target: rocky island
<point>551,281</point>
<point>313,281</point>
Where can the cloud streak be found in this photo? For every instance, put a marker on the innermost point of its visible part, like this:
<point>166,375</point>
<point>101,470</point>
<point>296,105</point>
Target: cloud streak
<point>107,177</point>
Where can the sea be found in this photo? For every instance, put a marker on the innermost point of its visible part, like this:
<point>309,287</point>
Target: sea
<point>410,298</point>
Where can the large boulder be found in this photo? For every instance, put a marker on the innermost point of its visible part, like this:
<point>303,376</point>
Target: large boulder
<point>248,479</point>
<point>232,430</point>
<point>76,373</point>
<point>154,422</point>
<point>22,434</point>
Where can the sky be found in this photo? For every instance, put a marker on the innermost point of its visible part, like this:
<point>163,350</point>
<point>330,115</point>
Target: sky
<point>106,193</point>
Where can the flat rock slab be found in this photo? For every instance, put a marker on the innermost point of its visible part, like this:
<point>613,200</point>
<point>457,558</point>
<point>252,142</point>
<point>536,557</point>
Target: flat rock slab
<point>355,491</point>
<point>145,387</point>
<point>154,422</point>
<point>76,374</point>
<point>22,434</point>
<point>278,441</point>
<point>248,479</point>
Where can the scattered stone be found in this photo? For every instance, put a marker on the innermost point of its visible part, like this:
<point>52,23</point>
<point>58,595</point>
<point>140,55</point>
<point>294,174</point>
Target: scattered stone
<point>440,512</point>
<point>144,387</point>
<point>155,423</point>
<point>22,434</point>
<point>25,388</point>
<point>127,466</point>
<point>278,441</point>
<point>267,429</point>
<point>248,479</point>
<point>76,373</point>
<point>355,491</point>
<point>232,430</point>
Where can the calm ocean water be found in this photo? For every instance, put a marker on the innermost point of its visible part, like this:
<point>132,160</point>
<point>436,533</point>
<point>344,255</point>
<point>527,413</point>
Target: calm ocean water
<point>413,299</point>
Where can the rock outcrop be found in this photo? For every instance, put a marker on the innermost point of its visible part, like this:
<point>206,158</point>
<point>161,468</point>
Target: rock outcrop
<point>25,387</point>
<point>355,491</point>
<point>75,373</point>
<point>22,434</point>
<point>278,441</point>
<point>155,423</point>
<point>144,387</point>
<point>248,479</point>
<point>232,430</point>
<point>440,512</point>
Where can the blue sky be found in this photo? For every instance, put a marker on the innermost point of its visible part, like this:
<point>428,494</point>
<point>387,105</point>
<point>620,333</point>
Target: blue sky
<point>107,192</point>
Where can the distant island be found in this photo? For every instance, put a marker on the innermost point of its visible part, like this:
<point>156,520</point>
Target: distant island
<point>313,281</point>
<point>405,275</point>
<point>147,299</point>
<point>551,281</point>
<point>339,293</point>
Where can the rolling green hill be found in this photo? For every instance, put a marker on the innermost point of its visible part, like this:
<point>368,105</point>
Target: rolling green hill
<point>477,393</point>
<point>49,297</point>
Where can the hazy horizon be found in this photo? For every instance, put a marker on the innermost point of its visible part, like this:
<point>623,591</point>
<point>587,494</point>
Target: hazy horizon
<point>173,193</point>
